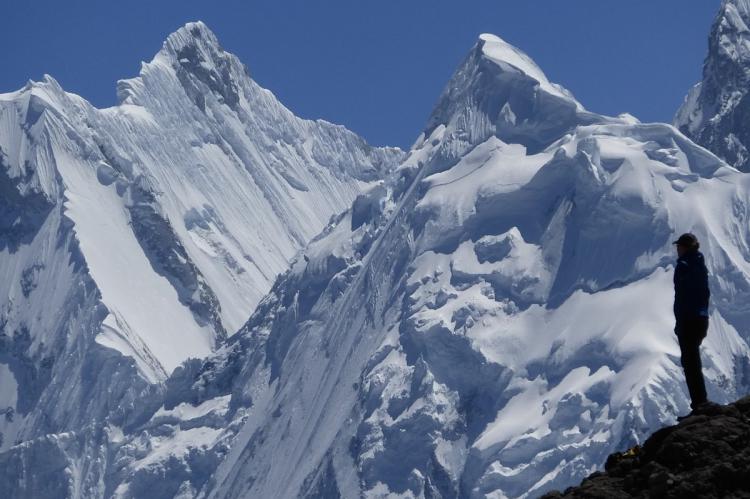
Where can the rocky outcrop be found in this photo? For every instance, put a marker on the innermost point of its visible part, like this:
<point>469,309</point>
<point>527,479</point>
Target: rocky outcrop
<point>707,455</point>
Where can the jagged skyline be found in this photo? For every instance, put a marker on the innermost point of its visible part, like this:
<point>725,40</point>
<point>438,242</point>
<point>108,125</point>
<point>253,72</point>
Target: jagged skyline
<point>377,70</point>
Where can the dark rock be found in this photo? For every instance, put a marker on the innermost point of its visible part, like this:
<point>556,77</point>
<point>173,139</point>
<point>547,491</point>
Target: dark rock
<point>706,455</point>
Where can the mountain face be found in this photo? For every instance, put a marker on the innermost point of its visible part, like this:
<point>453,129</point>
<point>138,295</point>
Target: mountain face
<point>491,319</point>
<point>495,319</point>
<point>135,237</point>
<point>716,111</point>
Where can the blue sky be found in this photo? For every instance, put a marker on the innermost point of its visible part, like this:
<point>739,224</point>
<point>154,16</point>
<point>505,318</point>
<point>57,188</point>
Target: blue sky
<point>376,67</point>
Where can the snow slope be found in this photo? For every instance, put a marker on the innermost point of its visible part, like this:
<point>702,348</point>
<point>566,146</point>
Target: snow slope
<point>715,112</point>
<point>135,237</point>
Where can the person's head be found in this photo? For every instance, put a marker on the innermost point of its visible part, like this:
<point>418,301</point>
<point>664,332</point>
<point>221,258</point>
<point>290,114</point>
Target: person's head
<point>686,243</point>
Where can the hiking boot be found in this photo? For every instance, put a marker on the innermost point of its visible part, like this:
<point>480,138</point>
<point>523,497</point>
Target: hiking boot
<point>704,408</point>
<point>683,418</point>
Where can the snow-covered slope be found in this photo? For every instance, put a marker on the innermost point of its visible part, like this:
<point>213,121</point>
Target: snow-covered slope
<point>135,237</point>
<point>716,111</point>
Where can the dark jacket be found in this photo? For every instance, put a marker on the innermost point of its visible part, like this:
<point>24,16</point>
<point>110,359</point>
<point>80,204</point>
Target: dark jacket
<point>691,293</point>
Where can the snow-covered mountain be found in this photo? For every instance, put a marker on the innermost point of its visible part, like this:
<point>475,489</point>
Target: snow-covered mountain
<point>496,319</point>
<point>135,237</point>
<point>716,111</point>
<point>490,320</point>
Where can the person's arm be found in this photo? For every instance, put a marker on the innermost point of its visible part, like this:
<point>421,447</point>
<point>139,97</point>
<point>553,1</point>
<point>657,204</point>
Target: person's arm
<point>679,291</point>
<point>694,290</point>
<point>705,292</point>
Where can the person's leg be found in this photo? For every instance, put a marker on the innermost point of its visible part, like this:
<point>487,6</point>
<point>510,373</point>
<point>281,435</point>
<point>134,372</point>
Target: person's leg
<point>690,339</point>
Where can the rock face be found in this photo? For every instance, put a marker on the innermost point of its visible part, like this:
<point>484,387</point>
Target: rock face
<point>135,237</point>
<point>705,456</point>
<point>716,112</point>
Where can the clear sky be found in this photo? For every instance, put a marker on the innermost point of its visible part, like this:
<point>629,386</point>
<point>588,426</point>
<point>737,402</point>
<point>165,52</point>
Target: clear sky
<point>376,67</point>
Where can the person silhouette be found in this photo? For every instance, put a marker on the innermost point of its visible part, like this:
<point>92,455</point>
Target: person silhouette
<point>691,297</point>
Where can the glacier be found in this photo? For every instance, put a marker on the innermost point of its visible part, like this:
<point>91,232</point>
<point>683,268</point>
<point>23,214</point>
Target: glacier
<point>489,316</point>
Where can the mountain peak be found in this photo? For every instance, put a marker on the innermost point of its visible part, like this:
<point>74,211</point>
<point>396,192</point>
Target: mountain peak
<point>201,64</point>
<point>730,30</point>
<point>194,45</point>
<point>715,110</point>
<point>499,90</point>
<point>192,34</point>
<point>504,54</point>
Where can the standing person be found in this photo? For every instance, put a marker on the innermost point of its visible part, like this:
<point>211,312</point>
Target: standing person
<point>691,296</point>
